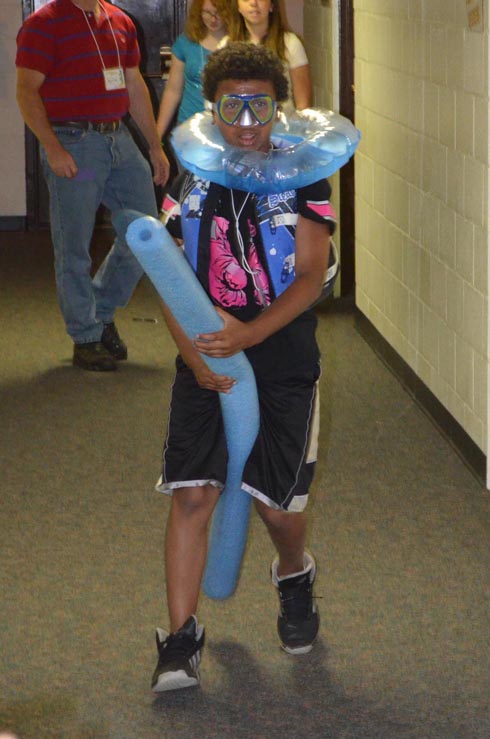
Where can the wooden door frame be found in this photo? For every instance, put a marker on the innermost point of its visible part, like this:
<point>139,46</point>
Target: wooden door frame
<point>347,173</point>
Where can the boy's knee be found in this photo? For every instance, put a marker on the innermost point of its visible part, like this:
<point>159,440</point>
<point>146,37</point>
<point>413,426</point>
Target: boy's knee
<point>279,520</point>
<point>272,516</point>
<point>195,501</point>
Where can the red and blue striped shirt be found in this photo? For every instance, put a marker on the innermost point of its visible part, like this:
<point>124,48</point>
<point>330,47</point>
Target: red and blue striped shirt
<point>56,41</point>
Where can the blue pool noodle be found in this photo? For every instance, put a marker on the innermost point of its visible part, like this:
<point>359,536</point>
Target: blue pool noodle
<point>176,282</point>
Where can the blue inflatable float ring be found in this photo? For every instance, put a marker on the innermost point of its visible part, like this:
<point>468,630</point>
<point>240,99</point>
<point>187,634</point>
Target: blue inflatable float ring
<point>308,146</point>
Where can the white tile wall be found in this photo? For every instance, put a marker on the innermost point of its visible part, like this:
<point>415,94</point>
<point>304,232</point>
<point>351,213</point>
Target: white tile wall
<point>422,189</point>
<point>12,158</point>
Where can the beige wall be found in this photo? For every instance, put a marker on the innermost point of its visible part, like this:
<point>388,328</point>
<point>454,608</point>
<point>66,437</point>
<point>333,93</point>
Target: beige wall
<point>294,12</point>
<point>12,161</point>
<point>421,194</point>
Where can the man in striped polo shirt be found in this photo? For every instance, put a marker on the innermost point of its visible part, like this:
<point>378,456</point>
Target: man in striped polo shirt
<point>77,78</point>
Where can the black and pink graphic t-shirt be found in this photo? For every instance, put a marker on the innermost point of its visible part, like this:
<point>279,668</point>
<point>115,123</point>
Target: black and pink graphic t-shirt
<point>237,270</point>
<point>231,263</point>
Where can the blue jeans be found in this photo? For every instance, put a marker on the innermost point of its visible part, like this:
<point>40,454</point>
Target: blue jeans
<point>112,171</point>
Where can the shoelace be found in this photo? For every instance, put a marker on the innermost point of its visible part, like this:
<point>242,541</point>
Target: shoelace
<point>178,646</point>
<point>297,603</point>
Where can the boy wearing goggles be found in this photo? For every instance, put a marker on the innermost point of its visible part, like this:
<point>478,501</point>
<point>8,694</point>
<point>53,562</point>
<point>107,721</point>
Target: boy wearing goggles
<point>232,109</point>
<point>245,111</point>
<point>227,241</point>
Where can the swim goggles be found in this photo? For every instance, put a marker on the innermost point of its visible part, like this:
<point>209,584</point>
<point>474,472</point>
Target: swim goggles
<point>245,110</point>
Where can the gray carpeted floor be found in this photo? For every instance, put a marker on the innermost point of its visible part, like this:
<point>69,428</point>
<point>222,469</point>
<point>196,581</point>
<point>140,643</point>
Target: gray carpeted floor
<point>399,525</point>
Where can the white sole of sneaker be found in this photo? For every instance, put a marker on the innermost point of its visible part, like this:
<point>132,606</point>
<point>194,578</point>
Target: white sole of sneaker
<point>174,681</point>
<point>297,650</point>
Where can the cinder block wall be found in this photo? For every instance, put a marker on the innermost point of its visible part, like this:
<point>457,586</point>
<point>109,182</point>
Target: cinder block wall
<point>421,194</point>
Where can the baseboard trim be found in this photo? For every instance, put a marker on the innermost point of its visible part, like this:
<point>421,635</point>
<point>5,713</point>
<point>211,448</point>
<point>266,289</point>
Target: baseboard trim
<point>463,444</point>
<point>12,223</point>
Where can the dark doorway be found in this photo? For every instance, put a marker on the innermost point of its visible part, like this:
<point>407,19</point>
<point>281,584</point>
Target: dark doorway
<point>347,173</point>
<point>158,23</point>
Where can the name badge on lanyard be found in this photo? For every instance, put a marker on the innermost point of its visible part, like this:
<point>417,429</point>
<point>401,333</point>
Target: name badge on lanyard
<point>114,78</point>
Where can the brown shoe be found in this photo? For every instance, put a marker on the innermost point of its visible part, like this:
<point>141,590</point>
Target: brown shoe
<point>113,343</point>
<point>93,356</point>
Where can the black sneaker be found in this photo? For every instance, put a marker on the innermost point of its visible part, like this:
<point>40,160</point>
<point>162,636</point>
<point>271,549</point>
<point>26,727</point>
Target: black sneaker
<point>113,343</point>
<point>93,356</point>
<point>298,619</point>
<point>179,657</point>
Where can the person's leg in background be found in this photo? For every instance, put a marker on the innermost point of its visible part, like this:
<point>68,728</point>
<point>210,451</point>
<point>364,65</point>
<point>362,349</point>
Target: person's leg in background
<point>73,207</point>
<point>128,187</point>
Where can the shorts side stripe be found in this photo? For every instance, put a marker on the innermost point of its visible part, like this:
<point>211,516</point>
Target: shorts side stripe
<point>290,493</point>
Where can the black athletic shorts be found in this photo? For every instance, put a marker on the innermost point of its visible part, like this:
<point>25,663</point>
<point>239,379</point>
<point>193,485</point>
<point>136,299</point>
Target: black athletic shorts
<point>280,467</point>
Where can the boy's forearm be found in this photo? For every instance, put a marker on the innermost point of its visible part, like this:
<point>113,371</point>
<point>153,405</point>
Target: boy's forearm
<point>310,267</point>
<point>292,303</point>
<point>239,335</point>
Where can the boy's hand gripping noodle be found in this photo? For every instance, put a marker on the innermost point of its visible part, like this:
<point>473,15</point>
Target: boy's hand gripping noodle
<point>176,282</point>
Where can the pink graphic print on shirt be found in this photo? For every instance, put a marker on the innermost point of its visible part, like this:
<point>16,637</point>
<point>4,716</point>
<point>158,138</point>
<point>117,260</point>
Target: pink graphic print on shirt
<point>261,292</point>
<point>227,279</point>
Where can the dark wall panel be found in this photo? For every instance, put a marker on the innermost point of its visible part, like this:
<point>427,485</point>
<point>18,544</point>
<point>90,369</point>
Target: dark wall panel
<point>158,23</point>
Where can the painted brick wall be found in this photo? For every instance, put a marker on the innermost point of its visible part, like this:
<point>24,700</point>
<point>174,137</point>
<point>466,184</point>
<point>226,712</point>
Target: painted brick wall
<point>12,159</point>
<point>421,194</point>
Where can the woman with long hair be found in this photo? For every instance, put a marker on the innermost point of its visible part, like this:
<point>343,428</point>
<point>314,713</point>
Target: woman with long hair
<point>204,28</point>
<point>264,22</point>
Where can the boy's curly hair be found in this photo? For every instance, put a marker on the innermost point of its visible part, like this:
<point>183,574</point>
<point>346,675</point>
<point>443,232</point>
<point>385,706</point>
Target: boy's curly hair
<point>244,61</point>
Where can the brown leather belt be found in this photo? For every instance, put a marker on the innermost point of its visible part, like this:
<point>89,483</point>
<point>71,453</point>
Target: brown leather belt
<point>99,126</point>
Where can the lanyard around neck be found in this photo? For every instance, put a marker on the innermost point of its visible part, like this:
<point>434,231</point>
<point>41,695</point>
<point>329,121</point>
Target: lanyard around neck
<point>95,40</point>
